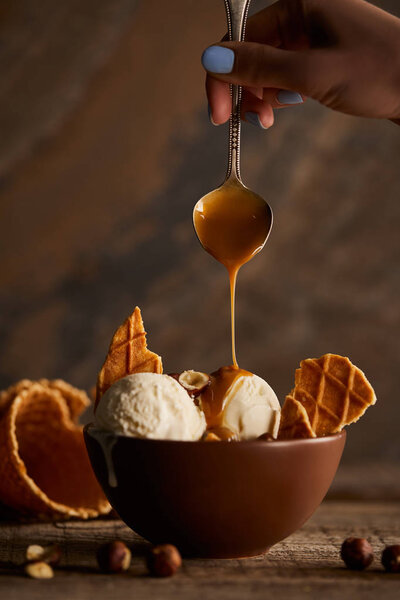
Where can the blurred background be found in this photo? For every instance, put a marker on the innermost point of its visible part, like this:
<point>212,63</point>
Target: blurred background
<point>105,147</point>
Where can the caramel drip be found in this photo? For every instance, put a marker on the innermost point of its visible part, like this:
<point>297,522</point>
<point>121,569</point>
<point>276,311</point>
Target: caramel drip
<point>232,287</point>
<point>212,399</point>
<point>232,223</point>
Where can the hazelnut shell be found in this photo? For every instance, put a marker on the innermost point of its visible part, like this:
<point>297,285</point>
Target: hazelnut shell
<point>194,382</point>
<point>114,557</point>
<point>391,558</point>
<point>49,554</point>
<point>164,560</point>
<point>39,570</point>
<point>357,553</point>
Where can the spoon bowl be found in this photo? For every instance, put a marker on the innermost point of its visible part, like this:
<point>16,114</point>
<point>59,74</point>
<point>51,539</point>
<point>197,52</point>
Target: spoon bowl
<point>232,223</point>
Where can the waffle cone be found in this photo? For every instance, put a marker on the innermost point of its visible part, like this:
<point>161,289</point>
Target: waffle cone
<point>127,354</point>
<point>76,400</point>
<point>44,467</point>
<point>294,423</point>
<point>333,392</point>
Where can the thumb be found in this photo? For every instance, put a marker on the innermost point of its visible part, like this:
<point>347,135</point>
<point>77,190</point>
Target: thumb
<point>260,66</point>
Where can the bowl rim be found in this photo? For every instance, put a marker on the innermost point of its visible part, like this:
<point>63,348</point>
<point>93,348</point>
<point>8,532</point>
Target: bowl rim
<point>259,443</point>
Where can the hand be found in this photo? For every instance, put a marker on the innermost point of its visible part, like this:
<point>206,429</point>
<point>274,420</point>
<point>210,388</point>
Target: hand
<point>343,53</point>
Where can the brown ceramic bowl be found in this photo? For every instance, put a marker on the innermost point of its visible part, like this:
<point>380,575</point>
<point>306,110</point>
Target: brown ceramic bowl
<point>220,499</point>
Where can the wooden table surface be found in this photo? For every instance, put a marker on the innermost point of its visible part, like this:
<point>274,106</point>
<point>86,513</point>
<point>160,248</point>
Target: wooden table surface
<point>306,565</point>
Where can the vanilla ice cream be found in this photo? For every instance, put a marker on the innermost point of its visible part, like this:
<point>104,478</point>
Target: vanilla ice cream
<point>150,405</point>
<point>251,408</point>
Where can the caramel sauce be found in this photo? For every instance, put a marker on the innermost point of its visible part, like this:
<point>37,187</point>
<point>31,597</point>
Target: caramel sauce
<point>212,397</point>
<point>232,224</point>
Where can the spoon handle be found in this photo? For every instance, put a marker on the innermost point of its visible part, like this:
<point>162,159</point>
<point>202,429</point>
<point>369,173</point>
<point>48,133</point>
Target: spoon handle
<point>236,15</point>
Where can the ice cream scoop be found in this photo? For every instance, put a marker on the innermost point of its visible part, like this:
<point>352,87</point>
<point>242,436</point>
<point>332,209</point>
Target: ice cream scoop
<point>251,408</point>
<point>150,405</point>
<point>241,402</point>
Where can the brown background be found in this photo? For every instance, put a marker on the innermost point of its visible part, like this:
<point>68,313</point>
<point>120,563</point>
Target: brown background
<point>105,147</point>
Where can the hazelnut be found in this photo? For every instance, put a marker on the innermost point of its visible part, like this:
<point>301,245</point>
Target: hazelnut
<point>208,436</point>
<point>114,557</point>
<point>357,553</point>
<point>194,382</point>
<point>219,433</point>
<point>164,560</point>
<point>39,570</point>
<point>391,558</point>
<point>266,437</point>
<point>49,554</point>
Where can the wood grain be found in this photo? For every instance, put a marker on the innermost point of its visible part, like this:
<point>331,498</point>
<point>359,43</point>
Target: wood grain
<point>306,565</point>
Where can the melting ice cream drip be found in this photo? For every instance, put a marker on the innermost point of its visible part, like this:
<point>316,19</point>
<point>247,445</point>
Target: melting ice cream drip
<point>107,442</point>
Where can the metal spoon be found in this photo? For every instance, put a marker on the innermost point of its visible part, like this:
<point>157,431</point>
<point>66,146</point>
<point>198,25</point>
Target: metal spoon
<point>233,223</point>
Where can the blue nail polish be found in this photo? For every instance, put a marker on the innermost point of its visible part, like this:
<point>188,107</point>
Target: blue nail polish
<point>254,119</point>
<point>218,59</point>
<point>286,97</point>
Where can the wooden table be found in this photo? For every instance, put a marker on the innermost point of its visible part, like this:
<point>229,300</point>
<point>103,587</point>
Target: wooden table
<point>306,565</point>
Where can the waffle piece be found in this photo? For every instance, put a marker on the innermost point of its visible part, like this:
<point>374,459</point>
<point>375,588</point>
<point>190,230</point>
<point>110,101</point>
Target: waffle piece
<point>333,391</point>
<point>44,467</point>
<point>294,423</point>
<point>127,354</point>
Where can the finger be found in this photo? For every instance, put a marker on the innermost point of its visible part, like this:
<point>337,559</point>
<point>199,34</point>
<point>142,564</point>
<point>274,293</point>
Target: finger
<point>258,92</point>
<point>262,109</point>
<point>219,100</point>
<point>260,112</point>
<point>282,98</point>
<point>256,111</point>
<point>258,65</point>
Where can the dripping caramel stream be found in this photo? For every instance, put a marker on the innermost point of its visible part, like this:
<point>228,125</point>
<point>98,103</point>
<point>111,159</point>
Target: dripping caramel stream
<point>232,287</point>
<point>212,397</point>
<point>232,223</point>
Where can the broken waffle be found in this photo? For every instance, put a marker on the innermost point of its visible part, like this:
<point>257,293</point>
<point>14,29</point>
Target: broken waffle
<point>127,354</point>
<point>333,393</point>
<point>294,423</point>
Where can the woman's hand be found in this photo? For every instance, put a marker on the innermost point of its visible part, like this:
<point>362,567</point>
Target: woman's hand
<point>343,53</point>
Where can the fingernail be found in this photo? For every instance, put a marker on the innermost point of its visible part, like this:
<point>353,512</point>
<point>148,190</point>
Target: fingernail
<point>210,117</point>
<point>286,97</point>
<point>254,119</point>
<point>218,59</point>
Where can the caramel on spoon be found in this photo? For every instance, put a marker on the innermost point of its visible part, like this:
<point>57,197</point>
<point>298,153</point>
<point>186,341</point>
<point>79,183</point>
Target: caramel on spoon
<point>233,223</point>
